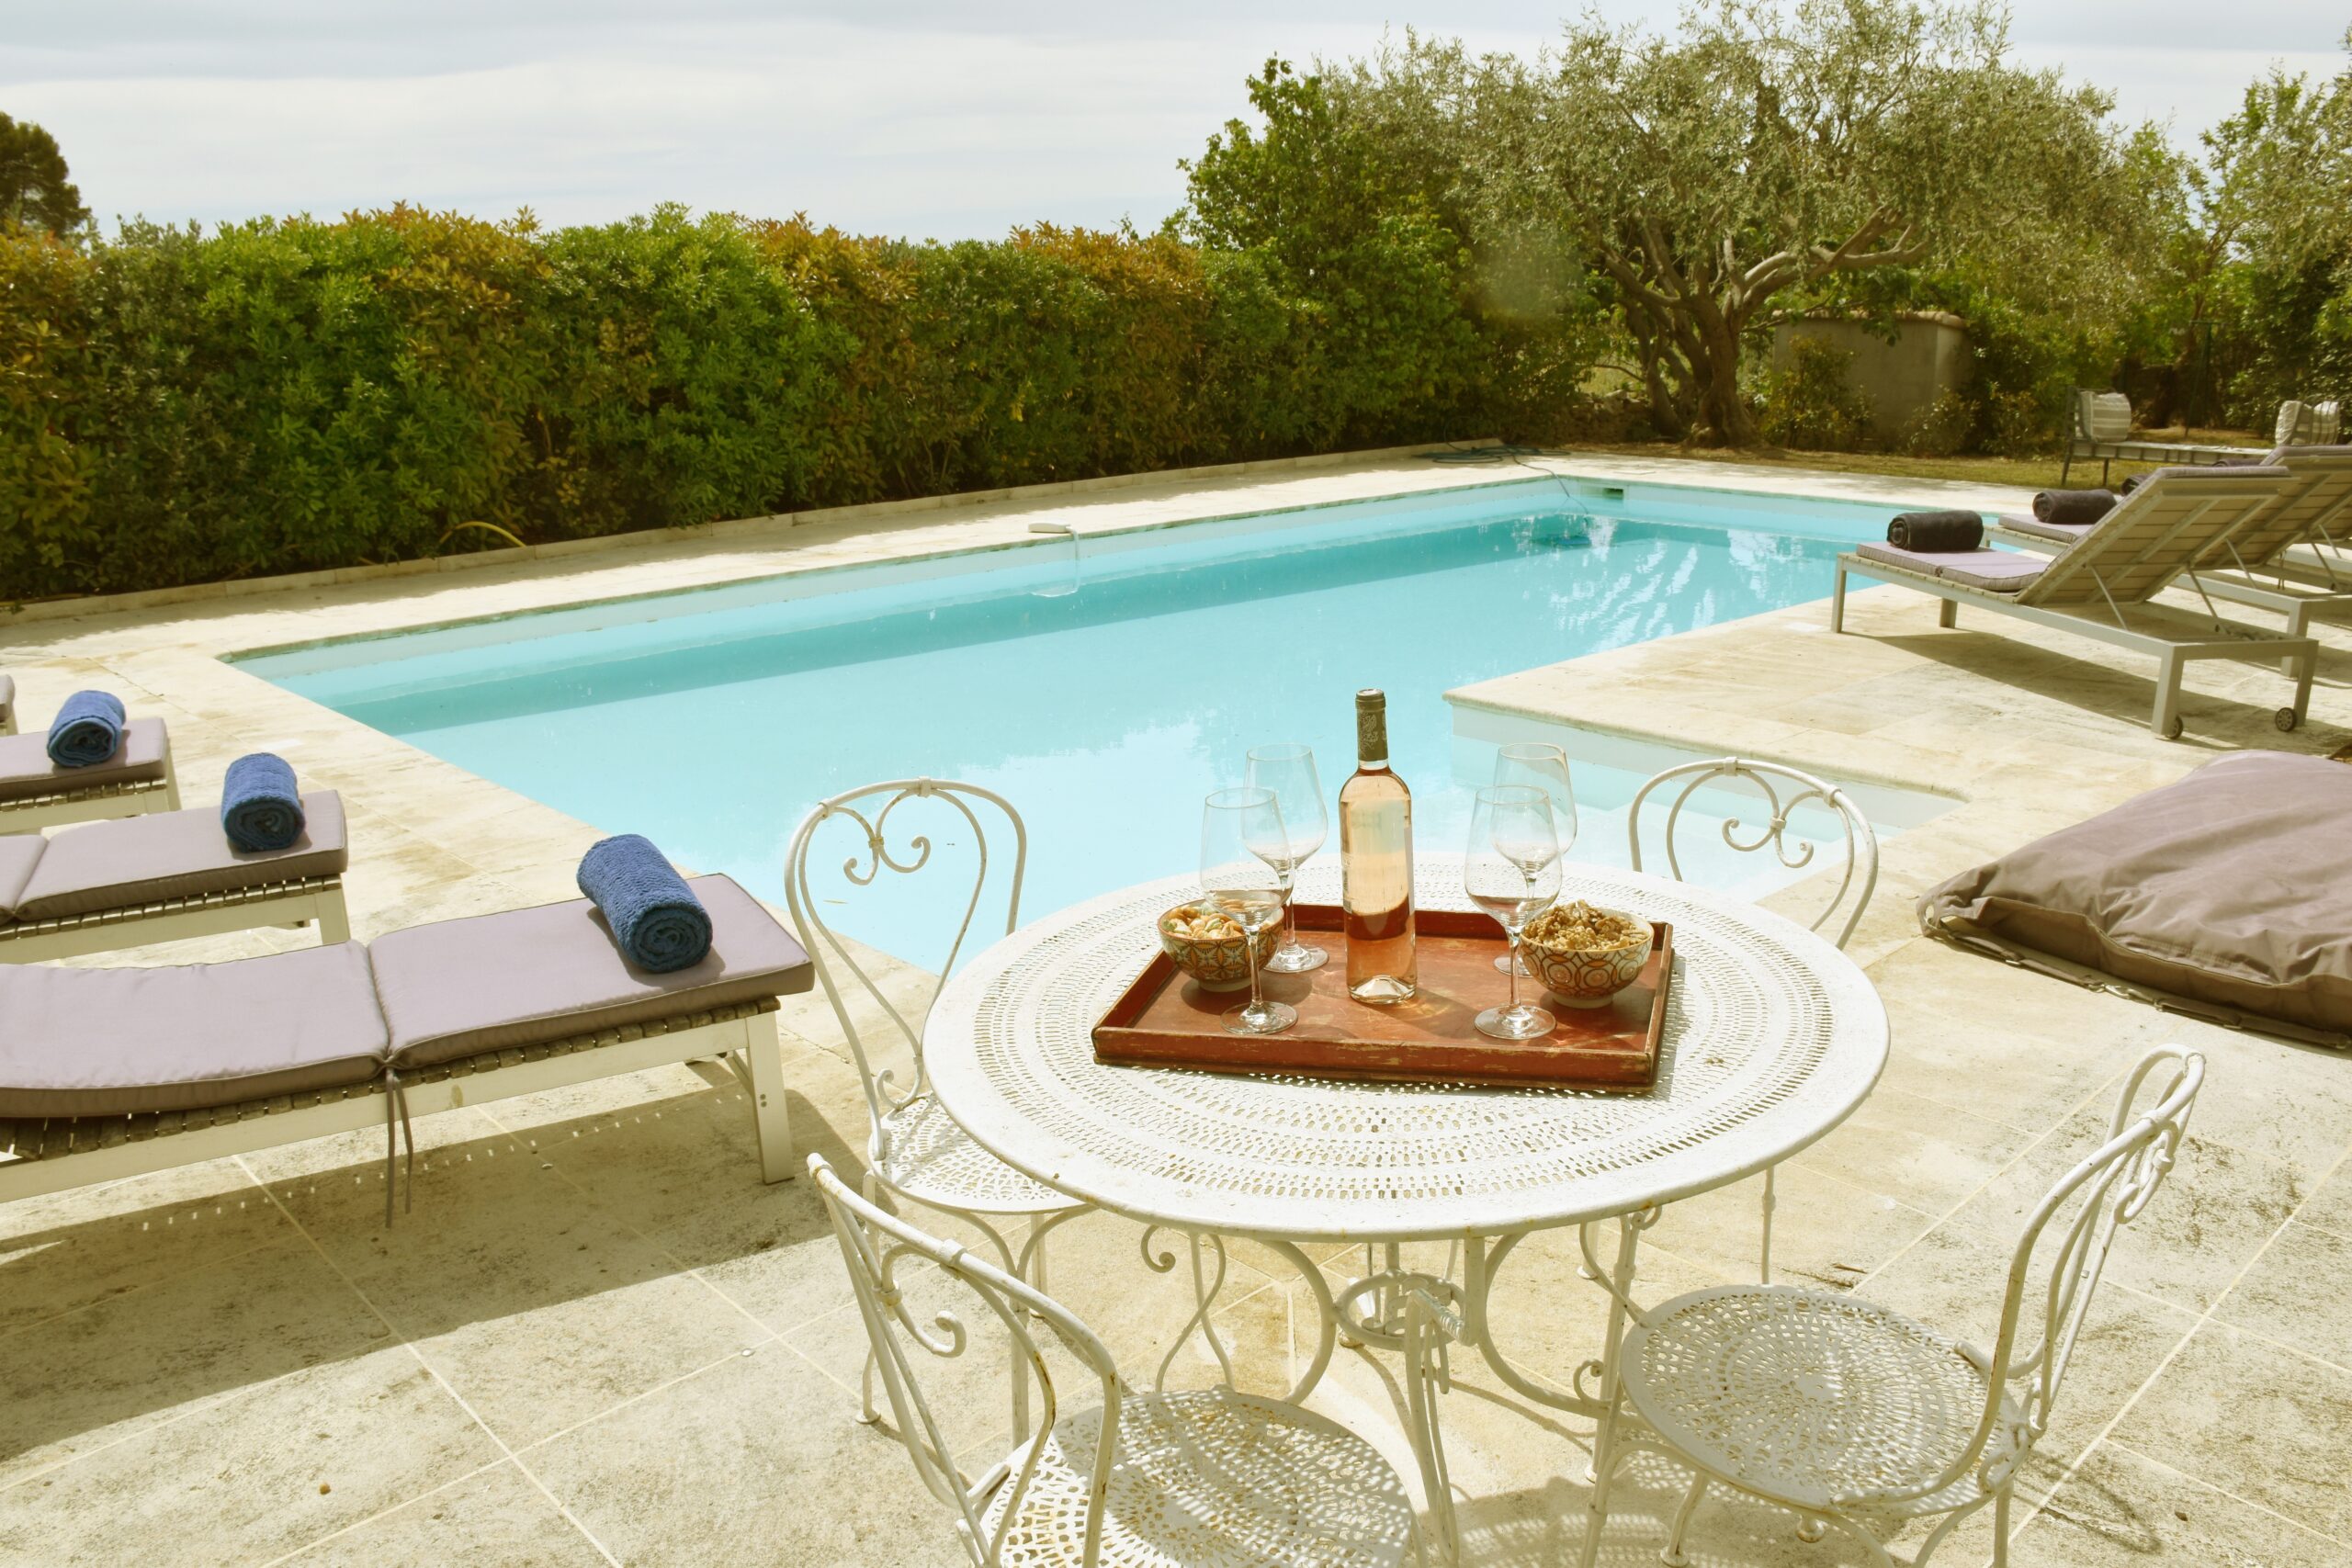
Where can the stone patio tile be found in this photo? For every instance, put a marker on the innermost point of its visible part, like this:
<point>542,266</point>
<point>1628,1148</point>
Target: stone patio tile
<point>1921,1153</point>
<point>152,1355</point>
<point>247,1480</point>
<point>537,1305</point>
<point>2212,1215</point>
<point>63,1251</point>
<point>1953,1282</point>
<point>1826,1231</point>
<point>2330,1205</point>
<point>2121,1510</point>
<point>755,1462</point>
<point>2286,1295</point>
<point>2254,1420</point>
<point>497,1516</point>
<point>1999,1042</point>
<point>2291,1102</point>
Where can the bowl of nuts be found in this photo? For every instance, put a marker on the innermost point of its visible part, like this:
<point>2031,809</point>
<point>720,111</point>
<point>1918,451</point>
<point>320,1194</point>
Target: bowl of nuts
<point>1586,954</point>
<point>1207,944</point>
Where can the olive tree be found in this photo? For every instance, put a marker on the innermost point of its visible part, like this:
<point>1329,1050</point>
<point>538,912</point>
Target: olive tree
<point>1767,149</point>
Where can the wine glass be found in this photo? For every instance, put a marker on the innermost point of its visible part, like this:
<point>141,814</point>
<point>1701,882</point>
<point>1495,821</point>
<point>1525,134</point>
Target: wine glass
<point>1289,771</point>
<point>1245,873</point>
<point>1543,766</point>
<point>1513,871</point>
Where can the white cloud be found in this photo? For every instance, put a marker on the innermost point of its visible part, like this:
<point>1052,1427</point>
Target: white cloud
<point>929,116</point>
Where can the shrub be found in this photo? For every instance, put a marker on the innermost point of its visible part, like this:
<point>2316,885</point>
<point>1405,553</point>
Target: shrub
<point>1812,404</point>
<point>1939,428</point>
<point>179,406</point>
<point>47,462</point>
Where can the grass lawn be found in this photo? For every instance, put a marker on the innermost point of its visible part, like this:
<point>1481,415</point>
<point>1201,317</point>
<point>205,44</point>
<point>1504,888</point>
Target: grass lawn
<point>2033,473</point>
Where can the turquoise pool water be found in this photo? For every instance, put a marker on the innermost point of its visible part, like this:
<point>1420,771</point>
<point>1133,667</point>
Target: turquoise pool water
<point>1102,685</point>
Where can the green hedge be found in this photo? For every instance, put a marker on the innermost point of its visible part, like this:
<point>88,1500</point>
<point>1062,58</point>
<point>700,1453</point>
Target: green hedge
<point>281,396</point>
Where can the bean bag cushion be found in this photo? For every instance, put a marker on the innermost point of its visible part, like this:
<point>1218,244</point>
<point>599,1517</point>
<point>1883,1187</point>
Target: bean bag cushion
<point>2227,895</point>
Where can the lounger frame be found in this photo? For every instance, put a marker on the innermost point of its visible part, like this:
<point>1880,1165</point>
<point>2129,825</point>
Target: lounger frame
<point>2286,598</point>
<point>57,1154</point>
<point>102,803</point>
<point>2291,545</point>
<point>2171,638</point>
<point>288,904</point>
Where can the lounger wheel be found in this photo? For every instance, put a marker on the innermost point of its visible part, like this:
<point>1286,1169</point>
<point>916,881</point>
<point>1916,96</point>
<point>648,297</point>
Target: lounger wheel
<point>2285,719</point>
<point>2172,731</point>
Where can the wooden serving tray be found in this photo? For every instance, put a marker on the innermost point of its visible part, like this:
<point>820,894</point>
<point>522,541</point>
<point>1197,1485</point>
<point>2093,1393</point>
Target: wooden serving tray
<point>1164,1020</point>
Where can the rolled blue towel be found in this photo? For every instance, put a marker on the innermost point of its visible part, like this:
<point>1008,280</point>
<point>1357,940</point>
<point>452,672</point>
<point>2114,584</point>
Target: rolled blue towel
<point>86,730</point>
<point>656,919</point>
<point>261,808</point>
<point>2073,507</point>
<point>1936,531</point>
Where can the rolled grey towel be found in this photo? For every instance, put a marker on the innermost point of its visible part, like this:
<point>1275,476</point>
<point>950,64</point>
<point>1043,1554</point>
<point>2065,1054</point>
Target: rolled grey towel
<point>2072,506</point>
<point>86,730</point>
<point>654,916</point>
<point>1936,533</point>
<point>261,805</point>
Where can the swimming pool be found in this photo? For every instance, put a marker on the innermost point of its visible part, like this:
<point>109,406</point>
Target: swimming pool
<point>1103,684</point>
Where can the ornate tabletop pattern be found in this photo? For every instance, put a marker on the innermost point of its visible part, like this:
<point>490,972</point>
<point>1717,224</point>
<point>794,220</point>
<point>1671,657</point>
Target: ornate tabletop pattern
<point>1772,1037</point>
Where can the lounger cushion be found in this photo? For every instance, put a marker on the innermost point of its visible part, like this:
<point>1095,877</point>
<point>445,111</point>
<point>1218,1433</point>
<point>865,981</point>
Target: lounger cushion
<point>26,769</point>
<point>525,977</point>
<point>2230,891</point>
<point>20,852</point>
<point>2058,533</point>
<point>174,854</point>
<point>108,1042</point>
<point>1995,571</point>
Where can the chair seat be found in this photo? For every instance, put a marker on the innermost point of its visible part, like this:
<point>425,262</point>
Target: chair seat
<point>1211,1478</point>
<point>934,1161</point>
<point>1808,1398</point>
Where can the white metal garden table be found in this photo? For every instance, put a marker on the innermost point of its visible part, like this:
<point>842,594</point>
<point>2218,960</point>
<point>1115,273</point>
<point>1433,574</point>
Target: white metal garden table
<point>1772,1037</point>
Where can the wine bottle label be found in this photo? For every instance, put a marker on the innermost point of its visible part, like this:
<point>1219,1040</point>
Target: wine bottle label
<point>1372,726</point>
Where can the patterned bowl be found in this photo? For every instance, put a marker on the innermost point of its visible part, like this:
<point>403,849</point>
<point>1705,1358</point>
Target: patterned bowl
<point>1219,964</point>
<point>1587,977</point>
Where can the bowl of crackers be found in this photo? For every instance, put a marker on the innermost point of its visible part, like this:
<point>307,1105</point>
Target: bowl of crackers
<point>1584,953</point>
<point>1207,944</point>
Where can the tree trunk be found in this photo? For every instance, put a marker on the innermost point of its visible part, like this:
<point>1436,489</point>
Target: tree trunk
<point>1729,422</point>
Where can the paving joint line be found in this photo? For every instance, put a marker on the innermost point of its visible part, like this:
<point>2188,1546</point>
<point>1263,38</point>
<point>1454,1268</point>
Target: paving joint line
<point>430,1370</point>
<point>2205,1318</point>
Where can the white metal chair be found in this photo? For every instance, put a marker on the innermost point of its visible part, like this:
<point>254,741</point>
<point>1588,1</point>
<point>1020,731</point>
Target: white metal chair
<point>1859,876</point>
<point>915,1150</point>
<point>1211,1477</point>
<point>1847,1412</point>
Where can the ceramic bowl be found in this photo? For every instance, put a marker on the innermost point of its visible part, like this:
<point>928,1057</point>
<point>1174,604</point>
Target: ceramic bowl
<point>1587,977</point>
<point>1218,964</point>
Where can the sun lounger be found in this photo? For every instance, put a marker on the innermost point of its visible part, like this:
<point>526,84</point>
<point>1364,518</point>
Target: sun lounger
<point>107,1073</point>
<point>35,792</point>
<point>2279,562</point>
<point>2102,429</point>
<point>2101,586</point>
<point>165,877</point>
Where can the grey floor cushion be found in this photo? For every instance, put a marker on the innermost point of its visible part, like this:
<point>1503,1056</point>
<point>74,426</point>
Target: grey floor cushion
<point>2228,895</point>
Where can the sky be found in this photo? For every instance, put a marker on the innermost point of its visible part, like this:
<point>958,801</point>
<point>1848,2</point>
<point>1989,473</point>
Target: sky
<point>944,118</point>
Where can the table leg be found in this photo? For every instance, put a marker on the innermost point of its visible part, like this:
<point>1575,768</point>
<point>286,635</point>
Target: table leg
<point>1206,1287</point>
<point>1483,1258</point>
<point>1206,1284</point>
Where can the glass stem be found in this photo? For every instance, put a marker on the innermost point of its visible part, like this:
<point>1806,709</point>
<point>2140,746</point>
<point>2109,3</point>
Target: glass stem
<point>1290,926</point>
<point>1512,932</point>
<point>1257,1008</point>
